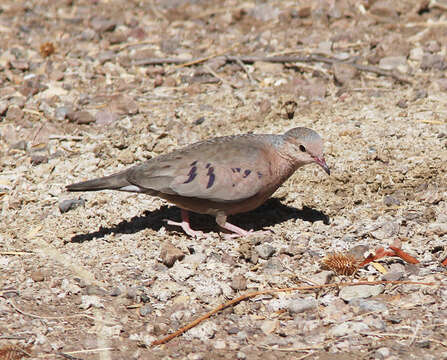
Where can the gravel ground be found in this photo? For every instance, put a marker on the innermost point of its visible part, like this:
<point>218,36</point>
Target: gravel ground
<point>101,276</point>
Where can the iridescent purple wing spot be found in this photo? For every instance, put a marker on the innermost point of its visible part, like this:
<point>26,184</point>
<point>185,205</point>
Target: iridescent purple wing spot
<point>212,177</point>
<point>191,175</point>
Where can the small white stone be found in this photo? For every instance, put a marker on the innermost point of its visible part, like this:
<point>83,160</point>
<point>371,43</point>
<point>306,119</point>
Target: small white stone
<point>220,344</point>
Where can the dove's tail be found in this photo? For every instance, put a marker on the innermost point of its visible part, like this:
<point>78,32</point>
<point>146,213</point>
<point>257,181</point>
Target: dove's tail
<point>112,182</point>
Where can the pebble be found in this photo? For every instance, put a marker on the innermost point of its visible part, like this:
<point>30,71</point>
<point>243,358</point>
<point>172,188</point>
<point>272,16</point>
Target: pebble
<point>393,275</point>
<point>123,105</point>
<point>349,293</point>
<point>433,61</point>
<point>104,118</point>
<point>233,330</point>
<point>269,326</point>
<point>348,328</point>
<point>322,277</point>
<point>170,254</point>
<point>437,228</point>
<point>146,309</point>
<point>20,145</point>
<point>100,24</point>
<point>416,54</point>
<point>131,293</point>
<point>14,114</point>
<point>368,305</point>
<point>343,72</point>
<point>37,159</point>
<point>94,290</point>
<point>304,12</point>
<point>80,117</point>
<point>61,112</point>
<point>239,282</point>
<point>296,306</point>
<point>220,345</point>
<point>205,289</point>
<point>390,201</point>
<point>3,107</point>
<point>241,355</point>
<point>442,83</point>
<point>88,301</point>
<point>382,353</point>
<point>204,331</point>
<point>37,276</point>
<point>105,56</point>
<point>387,230</point>
<point>265,251</point>
<point>70,288</point>
<point>116,291</point>
<point>181,272</point>
<point>423,344</point>
<point>126,157</point>
<point>196,356</point>
<point>20,65</point>
<point>394,62</point>
<point>70,204</point>
<point>273,266</point>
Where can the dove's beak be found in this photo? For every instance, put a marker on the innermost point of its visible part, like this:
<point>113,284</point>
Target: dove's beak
<point>322,163</point>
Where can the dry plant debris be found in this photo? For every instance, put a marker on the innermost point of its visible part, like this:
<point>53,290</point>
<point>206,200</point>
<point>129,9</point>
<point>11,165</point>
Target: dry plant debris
<point>273,291</point>
<point>47,49</point>
<point>14,352</point>
<point>341,264</point>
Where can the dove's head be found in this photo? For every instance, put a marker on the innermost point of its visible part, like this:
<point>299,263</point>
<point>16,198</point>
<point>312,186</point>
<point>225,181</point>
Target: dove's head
<point>305,146</point>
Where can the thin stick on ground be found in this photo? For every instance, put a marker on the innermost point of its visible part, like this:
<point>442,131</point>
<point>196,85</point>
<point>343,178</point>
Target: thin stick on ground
<point>15,252</point>
<point>212,72</point>
<point>206,58</point>
<point>403,336</point>
<point>69,354</point>
<point>278,59</point>
<point>58,317</point>
<point>242,65</point>
<point>69,357</point>
<point>272,291</point>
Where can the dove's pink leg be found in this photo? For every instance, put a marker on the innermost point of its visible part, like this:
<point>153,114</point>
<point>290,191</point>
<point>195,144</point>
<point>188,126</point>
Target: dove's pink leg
<point>185,225</point>
<point>236,230</point>
<point>221,220</point>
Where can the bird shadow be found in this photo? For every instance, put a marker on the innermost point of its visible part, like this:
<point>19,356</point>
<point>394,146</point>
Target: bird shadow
<point>272,212</point>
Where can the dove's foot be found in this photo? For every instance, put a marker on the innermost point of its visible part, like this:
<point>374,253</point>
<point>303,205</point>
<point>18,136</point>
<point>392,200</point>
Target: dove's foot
<point>184,224</point>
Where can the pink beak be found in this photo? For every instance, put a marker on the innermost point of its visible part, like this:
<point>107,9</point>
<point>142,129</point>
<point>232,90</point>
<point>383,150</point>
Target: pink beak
<point>322,163</point>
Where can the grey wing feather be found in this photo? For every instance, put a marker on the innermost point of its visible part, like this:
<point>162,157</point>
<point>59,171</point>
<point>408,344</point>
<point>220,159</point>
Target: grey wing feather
<point>226,169</point>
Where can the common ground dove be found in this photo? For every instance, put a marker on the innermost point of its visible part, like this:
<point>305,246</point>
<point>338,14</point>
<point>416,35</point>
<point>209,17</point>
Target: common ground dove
<point>220,176</point>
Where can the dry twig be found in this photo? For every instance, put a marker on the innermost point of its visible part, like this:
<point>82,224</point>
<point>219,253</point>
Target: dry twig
<point>278,59</point>
<point>67,356</point>
<point>273,291</point>
<point>58,317</point>
<point>15,252</point>
<point>13,352</point>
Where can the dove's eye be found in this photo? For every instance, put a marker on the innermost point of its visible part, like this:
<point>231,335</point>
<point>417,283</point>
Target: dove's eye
<point>302,148</point>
